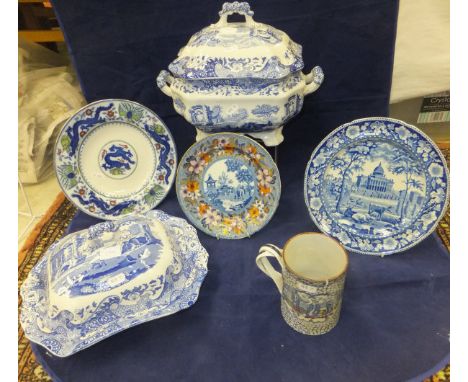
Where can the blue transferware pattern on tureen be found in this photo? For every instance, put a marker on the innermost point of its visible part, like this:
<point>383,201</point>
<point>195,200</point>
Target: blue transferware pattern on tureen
<point>378,185</point>
<point>113,276</point>
<point>115,157</point>
<point>228,185</point>
<point>226,65</point>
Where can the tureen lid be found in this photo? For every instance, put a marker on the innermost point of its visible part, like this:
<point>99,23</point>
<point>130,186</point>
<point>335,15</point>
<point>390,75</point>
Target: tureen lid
<point>238,50</point>
<point>105,260</point>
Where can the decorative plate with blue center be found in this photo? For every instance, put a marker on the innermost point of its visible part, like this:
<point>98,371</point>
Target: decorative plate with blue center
<point>115,157</point>
<point>228,185</point>
<point>378,185</point>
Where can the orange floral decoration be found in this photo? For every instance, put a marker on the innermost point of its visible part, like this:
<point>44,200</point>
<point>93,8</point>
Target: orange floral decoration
<point>192,186</point>
<point>252,149</point>
<point>264,190</point>
<point>202,208</point>
<point>205,157</point>
<point>254,212</point>
<point>232,224</point>
<point>236,229</point>
<point>252,152</point>
<point>228,148</point>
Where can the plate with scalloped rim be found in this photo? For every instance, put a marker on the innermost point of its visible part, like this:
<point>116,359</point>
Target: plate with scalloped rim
<point>378,185</point>
<point>228,185</point>
<point>115,157</point>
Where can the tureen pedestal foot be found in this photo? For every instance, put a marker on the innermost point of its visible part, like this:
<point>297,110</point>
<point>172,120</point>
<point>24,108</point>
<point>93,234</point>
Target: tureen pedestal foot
<point>201,134</point>
<point>270,138</point>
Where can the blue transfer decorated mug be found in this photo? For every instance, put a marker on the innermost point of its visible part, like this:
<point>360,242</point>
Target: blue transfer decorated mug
<point>311,282</point>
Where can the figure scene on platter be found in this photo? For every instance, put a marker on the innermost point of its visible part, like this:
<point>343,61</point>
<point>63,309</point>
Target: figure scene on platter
<point>373,188</point>
<point>117,159</point>
<point>115,262</point>
<point>229,185</point>
<point>314,307</point>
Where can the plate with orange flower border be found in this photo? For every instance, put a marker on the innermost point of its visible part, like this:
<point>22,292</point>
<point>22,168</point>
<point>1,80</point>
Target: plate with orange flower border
<point>228,185</point>
<point>115,157</point>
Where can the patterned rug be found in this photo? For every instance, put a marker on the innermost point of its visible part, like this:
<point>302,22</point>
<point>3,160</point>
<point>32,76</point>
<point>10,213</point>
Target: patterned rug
<point>53,225</point>
<point>443,230</point>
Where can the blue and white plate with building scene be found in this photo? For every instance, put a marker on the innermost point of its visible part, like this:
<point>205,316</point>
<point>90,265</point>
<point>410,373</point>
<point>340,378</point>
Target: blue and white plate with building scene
<point>228,185</point>
<point>97,282</point>
<point>115,157</point>
<point>378,185</point>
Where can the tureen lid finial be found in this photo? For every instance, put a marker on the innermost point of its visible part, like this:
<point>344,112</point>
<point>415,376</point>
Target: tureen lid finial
<point>242,8</point>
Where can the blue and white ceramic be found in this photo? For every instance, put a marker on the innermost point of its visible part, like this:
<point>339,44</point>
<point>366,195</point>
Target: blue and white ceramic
<point>97,282</point>
<point>242,77</point>
<point>115,157</point>
<point>378,185</point>
<point>228,185</point>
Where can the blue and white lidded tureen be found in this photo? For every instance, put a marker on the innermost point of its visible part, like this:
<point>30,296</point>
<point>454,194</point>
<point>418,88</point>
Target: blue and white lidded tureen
<point>97,282</point>
<point>242,77</point>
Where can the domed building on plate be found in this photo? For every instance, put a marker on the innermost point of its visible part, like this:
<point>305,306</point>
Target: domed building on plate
<point>376,182</point>
<point>375,194</point>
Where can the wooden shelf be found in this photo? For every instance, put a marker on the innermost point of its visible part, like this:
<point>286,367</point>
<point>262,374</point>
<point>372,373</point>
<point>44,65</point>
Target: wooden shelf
<point>41,35</point>
<point>45,3</point>
<point>37,22</point>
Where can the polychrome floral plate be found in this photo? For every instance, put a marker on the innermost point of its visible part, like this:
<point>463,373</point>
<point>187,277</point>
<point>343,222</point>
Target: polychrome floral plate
<point>115,157</point>
<point>378,185</point>
<point>97,282</point>
<point>228,185</point>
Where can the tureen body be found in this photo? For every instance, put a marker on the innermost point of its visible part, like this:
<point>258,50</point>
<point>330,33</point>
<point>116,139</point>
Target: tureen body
<point>243,77</point>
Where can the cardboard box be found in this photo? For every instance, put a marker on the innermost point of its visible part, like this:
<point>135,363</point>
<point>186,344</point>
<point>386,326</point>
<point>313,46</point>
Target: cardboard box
<point>430,113</point>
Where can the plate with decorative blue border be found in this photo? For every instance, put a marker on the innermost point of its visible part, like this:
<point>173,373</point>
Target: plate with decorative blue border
<point>228,185</point>
<point>378,185</point>
<point>115,157</point>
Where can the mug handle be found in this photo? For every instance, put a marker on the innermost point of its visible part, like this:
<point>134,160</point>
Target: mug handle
<point>270,250</point>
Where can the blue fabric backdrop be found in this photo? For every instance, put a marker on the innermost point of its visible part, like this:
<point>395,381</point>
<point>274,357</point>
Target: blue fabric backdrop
<point>395,317</point>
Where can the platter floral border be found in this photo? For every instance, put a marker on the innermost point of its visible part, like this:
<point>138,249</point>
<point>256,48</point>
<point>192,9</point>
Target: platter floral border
<point>117,312</point>
<point>211,220</point>
<point>435,169</point>
<point>82,123</point>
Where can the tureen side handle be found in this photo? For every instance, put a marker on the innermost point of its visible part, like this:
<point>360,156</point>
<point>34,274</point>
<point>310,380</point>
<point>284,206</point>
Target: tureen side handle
<point>163,81</point>
<point>313,80</point>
